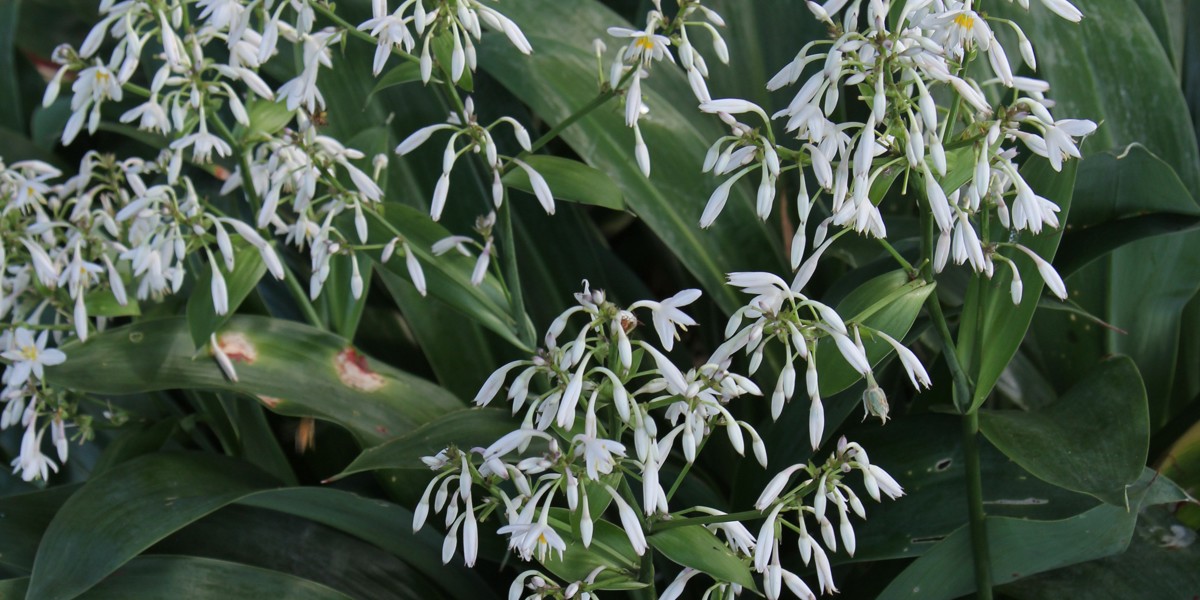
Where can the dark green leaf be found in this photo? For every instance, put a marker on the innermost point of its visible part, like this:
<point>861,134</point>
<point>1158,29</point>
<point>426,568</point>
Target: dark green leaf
<point>120,513</point>
<point>1160,563</point>
<point>405,72</point>
<point>12,116</point>
<point>292,545</point>
<point>1019,548</point>
<point>1093,440</point>
<point>202,316</point>
<point>889,303</point>
<point>569,180</point>
<point>1121,198</point>
<point>386,525</point>
<point>465,429</point>
<point>102,303</point>
<point>170,577</point>
<point>448,276</point>
<point>696,547</point>
<point>25,518</point>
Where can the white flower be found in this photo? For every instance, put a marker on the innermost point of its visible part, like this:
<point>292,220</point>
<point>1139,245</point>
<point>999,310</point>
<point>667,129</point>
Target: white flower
<point>667,316</point>
<point>645,46</point>
<point>31,463</point>
<point>629,521</point>
<point>597,452</point>
<point>202,144</point>
<point>30,356</point>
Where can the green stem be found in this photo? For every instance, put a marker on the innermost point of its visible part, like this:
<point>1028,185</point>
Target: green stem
<point>512,273</point>
<point>571,119</point>
<point>301,298</point>
<point>979,539</point>
<point>707,520</point>
<point>896,255</point>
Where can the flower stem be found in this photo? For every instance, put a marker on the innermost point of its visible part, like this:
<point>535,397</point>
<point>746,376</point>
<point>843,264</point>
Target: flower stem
<point>512,273</point>
<point>978,522</point>
<point>301,298</point>
<point>707,520</point>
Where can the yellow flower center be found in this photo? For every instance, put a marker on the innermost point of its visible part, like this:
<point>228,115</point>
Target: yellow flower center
<point>102,77</point>
<point>965,21</point>
<point>30,353</point>
<point>645,43</point>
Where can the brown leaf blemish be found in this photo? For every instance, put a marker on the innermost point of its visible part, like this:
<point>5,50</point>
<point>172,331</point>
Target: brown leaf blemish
<point>270,401</point>
<point>354,372</point>
<point>238,347</point>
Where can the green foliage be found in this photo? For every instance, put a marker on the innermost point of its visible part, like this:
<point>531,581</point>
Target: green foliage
<point>182,478</point>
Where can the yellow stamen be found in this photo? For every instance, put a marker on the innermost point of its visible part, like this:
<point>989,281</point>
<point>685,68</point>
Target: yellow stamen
<point>965,21</point>
<point>644,42</point>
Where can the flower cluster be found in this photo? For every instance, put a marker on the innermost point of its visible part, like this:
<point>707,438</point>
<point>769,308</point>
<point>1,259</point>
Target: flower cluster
<point>603,416</point>
<point>899,67</point>
<point>455,23</point>
<point>69,248</point>
<point>477,139</point>
<point>652,44</point>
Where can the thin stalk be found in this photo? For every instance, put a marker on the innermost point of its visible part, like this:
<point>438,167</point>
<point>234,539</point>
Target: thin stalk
<point>301,298</point>
<point>707,520</point>
<point>963,396</point>
<point>978,522</point>
<point>512,273</point>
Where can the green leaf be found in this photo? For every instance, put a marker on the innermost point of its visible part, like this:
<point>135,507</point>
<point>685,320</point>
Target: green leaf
<point>992,326</point>
<point>1120,198</point>
<point>1019,548</point>
<point>1115,39</point>
<point>26,517</point>
<point>120,513</point>
<point>266,119</point>
<point>202,316</point>
<point>166,577</point>
<point>386,525</point>
<point>559,78</point>
<point>102,303</point>
<point>890,303</point>
<point>1159,563</point>
<point>696,547</point>
<point>1142,287</point>
<point>448,277</point>
<point>1169,20</point>
<point>337,297</point>
<point>405,72</point>
<point>457,349</point>
<point>610,548</point>
<point>1094,439</point>
<point>466,429</point>
<point>12,116</point>
<point>293,369</point>
<point>266,539</point>
<point>924,454</point>
<point>569,180</point>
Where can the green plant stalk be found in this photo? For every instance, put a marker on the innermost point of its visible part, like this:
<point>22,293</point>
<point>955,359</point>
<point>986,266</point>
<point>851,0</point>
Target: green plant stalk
<point>963,387</point>
<point>978,519</point>
<point>512,273</point>
<point>708,520</point>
